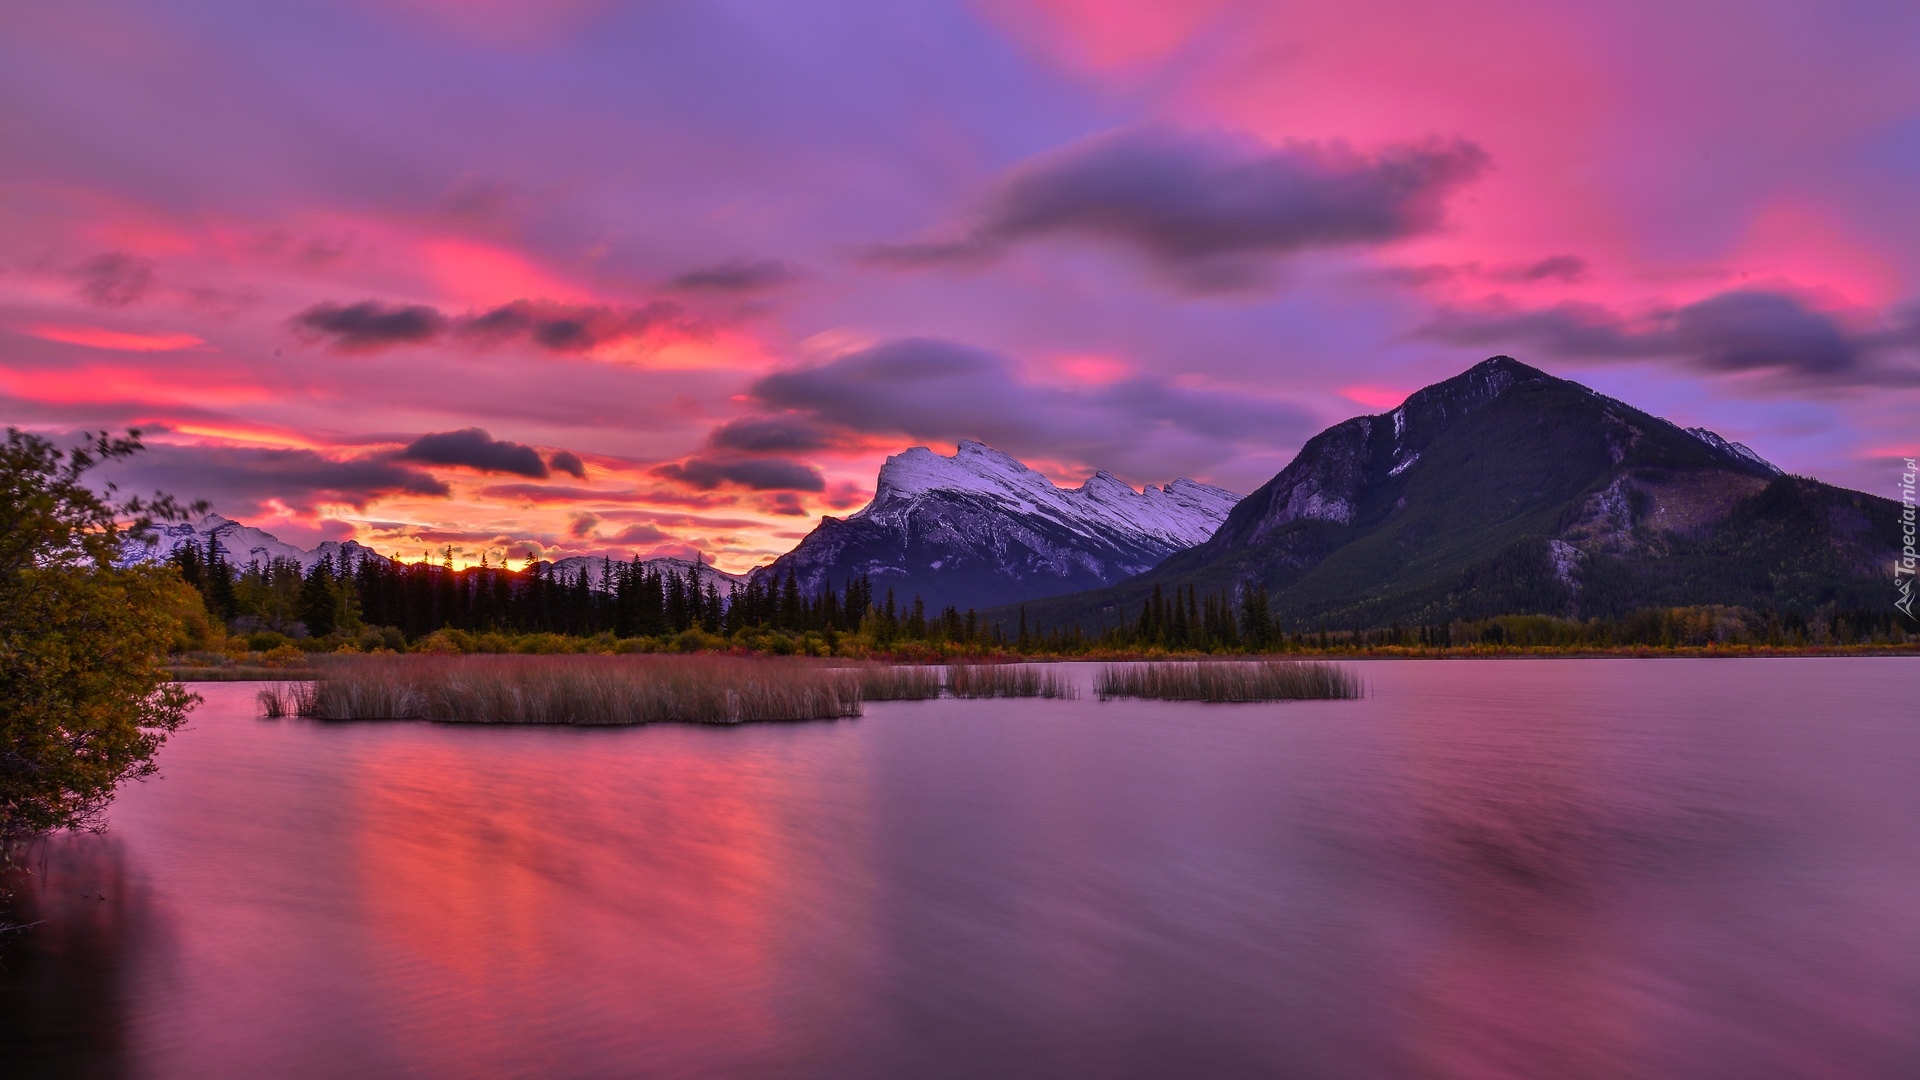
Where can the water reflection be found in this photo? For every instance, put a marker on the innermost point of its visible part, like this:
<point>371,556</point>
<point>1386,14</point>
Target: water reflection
<point>64,978</point>
<point>1482,870</point>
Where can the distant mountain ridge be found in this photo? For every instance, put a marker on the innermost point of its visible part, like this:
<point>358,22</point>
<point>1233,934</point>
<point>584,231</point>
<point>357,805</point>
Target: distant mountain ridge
<point>242,544</point>
<point>595,569</point>
<point>1505,490</point>
<point>979,527</point>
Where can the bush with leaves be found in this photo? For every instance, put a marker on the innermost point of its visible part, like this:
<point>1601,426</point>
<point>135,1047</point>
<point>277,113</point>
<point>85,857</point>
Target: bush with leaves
<point>84,701</point>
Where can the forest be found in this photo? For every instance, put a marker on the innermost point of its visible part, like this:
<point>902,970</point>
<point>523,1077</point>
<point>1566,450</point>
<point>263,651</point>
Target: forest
<point>368,604</point>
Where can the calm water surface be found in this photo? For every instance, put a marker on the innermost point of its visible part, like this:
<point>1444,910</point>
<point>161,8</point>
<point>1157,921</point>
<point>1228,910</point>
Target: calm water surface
<point>1663,868</point>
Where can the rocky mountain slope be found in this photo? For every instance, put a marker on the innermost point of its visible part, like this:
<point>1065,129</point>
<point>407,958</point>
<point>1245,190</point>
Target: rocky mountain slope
<point>980,528</point>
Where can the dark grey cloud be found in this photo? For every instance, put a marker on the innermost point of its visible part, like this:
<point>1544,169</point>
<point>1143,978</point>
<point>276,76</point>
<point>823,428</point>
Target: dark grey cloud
<point>754,474</point>
<point>557,494</point>
<point>1209,210</point>
<point>243,481</point>
<point>937,390</point>
<point>1739,331</point>
<point>1568,268</point>
<point>786,434</point>
<point>737,276</point>
<point>1742,331</point>
<point>565,328</point>
<point>475,449</point>
<point>370,325</point>
<point>114,279</point>
<point>784,504</point>
<point>566,461</point>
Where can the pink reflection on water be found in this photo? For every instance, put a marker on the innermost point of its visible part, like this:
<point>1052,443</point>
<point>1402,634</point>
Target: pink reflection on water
<point>1560,869</point>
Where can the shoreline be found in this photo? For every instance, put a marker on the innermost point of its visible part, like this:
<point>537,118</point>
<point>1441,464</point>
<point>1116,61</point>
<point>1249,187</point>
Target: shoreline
<point>261,673</point>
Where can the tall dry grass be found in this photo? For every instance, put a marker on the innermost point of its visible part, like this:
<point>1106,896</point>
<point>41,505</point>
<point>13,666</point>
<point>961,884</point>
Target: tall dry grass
<point>1228,681</point>
<point>888,682</point>
<point>285,699</point>
<point>1007,681</point>
<point>584,690</point>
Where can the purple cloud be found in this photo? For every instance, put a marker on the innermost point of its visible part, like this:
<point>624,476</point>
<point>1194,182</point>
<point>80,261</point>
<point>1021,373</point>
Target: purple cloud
<point>935,390</point>
<point>1738,331</point>
<point>1207,209</point>
<point>370,325</point>
<point>241,481</point>
<point>753,474</point>
<point>786,434</point>
<point>473,448</point>
<point>114,279</point>
<point>736,276</point>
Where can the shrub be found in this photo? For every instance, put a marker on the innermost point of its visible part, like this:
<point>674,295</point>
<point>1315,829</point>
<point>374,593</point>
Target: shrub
<point>266,640</point>
<point>285,654</point>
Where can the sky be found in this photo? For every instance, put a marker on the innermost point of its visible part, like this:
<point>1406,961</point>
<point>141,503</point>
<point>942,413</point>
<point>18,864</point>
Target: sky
<point>585,277</point>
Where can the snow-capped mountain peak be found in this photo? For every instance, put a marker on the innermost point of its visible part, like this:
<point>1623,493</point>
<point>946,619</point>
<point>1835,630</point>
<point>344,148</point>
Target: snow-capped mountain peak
<point>979,527</point>
<point>974,467</point>
<point>241,543</point>
<point>1180,514</point>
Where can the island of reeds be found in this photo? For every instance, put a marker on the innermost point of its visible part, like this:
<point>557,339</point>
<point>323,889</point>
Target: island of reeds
<point>1228,681</point>
<point>620,690</point>
<point>616,690</point>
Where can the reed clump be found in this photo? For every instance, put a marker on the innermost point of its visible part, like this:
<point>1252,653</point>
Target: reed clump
<point>886,682</point>
<point>581,690</point>
<point>286,699</point>
<point>1007,681</point>
<point>1229,681</point>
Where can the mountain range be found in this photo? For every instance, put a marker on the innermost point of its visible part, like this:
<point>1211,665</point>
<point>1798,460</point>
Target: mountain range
<point>244,544</point>
<point>1503,490</point>
<point>595,569</point>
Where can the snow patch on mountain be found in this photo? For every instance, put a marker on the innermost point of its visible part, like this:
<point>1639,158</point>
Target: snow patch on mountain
<point>1738,450</point>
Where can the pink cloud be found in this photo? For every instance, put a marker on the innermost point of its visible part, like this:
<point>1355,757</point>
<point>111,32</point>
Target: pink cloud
<point>94,337</point>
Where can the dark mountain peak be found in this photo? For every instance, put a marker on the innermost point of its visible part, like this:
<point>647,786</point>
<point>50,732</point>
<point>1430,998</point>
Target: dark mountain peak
<point>1505,489</point>
<point>1453,398</point>
<point>1507,364</point>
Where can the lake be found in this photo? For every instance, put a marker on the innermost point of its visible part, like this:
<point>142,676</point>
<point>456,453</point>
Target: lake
<point>1523,868</point>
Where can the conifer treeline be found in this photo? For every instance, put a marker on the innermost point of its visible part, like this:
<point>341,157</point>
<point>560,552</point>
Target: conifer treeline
<point>625,599</point>
<point>407,601</point>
